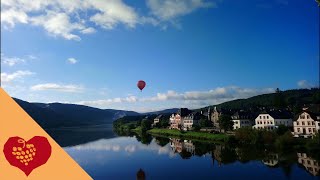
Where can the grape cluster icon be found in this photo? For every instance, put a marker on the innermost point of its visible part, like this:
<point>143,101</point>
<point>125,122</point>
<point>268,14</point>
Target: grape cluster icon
<point>24,153</point>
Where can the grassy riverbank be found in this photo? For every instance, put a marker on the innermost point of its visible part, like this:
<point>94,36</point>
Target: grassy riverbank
<point>189,135</point>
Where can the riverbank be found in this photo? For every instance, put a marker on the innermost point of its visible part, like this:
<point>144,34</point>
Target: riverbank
<point>189,135</point>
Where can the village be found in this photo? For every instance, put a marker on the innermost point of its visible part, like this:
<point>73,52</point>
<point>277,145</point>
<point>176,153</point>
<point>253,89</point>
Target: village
<point>304,124</point>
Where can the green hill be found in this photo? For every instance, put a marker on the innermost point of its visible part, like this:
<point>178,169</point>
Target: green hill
<point>292,99</point>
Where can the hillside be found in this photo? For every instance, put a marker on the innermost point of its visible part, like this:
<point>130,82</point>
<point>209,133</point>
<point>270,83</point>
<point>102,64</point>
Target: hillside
<point>55,115</point>
<point>292,99</point>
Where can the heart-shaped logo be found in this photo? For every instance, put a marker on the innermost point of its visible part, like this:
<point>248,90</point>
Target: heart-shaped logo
<point>27,155</point>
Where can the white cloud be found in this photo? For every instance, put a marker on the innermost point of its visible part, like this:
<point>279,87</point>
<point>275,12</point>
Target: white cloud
<point>12,16</point>
<point>189,99</point>
<point>11,61</point>
<point>113,12</point>
<point>105,102</point>
<point>57,87</point>
<point>68,19</point>
<point>58,24</point>
<point>304,84</point>
<point>6,78</point>
<point>72,60</point>
<point>171,9</point>
<point>89,30</point>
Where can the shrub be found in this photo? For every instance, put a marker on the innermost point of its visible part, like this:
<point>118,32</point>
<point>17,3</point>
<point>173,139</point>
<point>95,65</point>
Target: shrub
<point>285,142</point>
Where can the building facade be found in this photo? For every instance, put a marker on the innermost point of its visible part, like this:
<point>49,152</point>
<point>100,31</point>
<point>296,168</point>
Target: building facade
<point>272,120</point>
<point>306,124</point>
<point>241,119</point>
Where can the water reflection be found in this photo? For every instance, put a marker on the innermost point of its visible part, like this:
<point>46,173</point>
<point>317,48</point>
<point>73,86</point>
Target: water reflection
<point>271,159</point>
<point>161,158</point>
<point>311,165</point>
<point>73,136</point>
<point>141,175</point>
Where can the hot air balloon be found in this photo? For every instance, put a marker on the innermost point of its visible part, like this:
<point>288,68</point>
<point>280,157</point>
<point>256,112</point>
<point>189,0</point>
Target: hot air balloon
<point>141,84</point>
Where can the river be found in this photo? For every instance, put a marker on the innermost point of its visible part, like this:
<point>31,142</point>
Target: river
<point>104,155</point>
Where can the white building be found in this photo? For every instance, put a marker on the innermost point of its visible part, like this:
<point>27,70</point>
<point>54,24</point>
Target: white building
<point>306,124</point>
<point>272,120</point>
<point>157,120</point>
<point>190,120</point>
<point>241,119</point>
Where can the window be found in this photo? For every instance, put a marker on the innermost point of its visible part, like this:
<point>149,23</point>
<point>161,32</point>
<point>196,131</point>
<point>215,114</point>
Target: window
<point>271,122</point>
<point>297,122</point>
<point>310,130</point>
<point>302,117</point>
<point>309,123</point>
<point>314,130</point>
<point>312,122</point>
<point>303,123</point>
<point>260,117</point>
<point>267,117</point>
<point>298,129</point>
<point>264,117</point>
<point>308,117</point>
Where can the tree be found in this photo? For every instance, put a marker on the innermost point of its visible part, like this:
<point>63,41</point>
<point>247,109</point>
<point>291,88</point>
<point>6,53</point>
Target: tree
<point>139,122</point>
<point>318,1</point>
<point>164,123</point>
<point>204,122</point>
<point>282,129</point>
<point>279,100</point>
<point>145,125</point>
<point>225,122</point>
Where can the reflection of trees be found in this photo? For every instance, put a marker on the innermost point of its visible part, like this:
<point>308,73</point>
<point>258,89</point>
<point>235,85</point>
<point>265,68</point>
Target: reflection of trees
<point>74,136</point>
<point>185,154</point>
<point>144,138</point>
<point>161,141</point>
<point>248,153</point>
<point>228,155</point>
<point>202,148</point>
<point>286,162</point>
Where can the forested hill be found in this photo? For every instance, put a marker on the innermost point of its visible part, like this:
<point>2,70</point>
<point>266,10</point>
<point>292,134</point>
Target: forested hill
<point>293,99</point>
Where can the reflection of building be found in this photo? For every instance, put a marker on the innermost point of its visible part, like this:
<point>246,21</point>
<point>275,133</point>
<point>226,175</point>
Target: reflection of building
<point>272,119</point>
<point>178,145</point>
<point>241,119</point>
<point>306,124</point>
<point>189,146</point>
<point>216,153</point>
<point>271,159</point>
<point>312,166</point>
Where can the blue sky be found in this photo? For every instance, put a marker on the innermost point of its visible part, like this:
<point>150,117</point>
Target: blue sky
<point>191,53</point>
